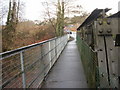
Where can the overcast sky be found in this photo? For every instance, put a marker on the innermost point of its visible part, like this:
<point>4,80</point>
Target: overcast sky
<point>34,8</point>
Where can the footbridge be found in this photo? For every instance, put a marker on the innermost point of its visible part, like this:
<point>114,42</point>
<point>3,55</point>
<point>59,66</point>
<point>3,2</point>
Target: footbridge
<point>91,60</point>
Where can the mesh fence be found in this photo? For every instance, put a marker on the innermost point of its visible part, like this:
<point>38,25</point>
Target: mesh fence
<point>88,57</point>
<point>27,68</point>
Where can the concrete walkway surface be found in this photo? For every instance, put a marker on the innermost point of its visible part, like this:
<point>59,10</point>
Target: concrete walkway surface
<point>68,70</point>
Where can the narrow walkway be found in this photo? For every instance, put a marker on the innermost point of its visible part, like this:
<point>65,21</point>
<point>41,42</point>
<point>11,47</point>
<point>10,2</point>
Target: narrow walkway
<point>68,71</point>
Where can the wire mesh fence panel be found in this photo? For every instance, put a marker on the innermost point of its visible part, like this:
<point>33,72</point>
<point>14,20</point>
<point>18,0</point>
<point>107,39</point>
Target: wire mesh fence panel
<point>27,67</point>
<point>88,57</point>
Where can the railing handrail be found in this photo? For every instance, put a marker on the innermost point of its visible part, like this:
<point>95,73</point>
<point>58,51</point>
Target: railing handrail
<point>7,53</point>
<point>30,64</point>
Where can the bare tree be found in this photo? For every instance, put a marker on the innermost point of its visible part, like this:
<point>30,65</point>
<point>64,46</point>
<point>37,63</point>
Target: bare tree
<point>58,15</point>
<point>13,12</point>
<point>12,19</point>
<point>64,8</point>
<point>48,14</point>
<point>60,18</point>
<point>3,13</point>
<point>8,7</point>
<point>3,10</point>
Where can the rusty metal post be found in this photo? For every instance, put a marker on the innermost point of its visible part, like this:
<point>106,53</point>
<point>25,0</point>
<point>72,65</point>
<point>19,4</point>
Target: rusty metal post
<point>107,54</point>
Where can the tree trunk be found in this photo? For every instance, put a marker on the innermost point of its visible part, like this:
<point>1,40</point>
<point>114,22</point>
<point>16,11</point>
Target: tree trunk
<point>60,19</point>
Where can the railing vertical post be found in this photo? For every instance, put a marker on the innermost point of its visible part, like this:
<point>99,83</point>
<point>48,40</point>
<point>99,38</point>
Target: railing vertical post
<point>56,49</point>
<point>23,70</point>
<point>59,45</point>
<point>50,54</point>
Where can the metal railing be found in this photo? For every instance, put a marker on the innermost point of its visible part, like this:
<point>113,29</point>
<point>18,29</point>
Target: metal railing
<point>27,67</point>
<point>90,63</point>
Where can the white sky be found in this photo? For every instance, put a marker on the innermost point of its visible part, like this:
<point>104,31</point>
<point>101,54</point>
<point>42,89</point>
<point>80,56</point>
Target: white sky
<point>34,8</point>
